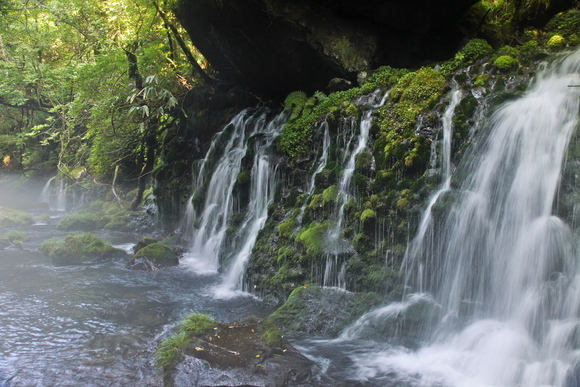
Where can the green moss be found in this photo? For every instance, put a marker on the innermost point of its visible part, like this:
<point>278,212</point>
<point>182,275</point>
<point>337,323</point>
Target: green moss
<point>506,63</point>
<point>143,242</point>
<point>313,239</point>
<point>481,80</point>
<point>10,217</point>
<point>78,248</point>
<point>329,195</point>
<point>81,222</point>
<point>244,178</point>
<point>556,41</point>
<point>158,253</point>
<point>367,216</point>
<point>403,204</point>
<point>272,335</point>
<point>473,50</point>
<point>169,351</point>
<point>286,229</point>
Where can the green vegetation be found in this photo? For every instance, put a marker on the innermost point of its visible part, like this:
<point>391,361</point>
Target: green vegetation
<point>10,217</point>
<point>79,248</point>
<point>79,222</point>
<point>194,326</point>
<point>506,63</point>
<point>156,253</point>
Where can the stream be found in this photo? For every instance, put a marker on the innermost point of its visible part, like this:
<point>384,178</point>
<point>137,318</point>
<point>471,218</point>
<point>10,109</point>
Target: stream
<point>96,324</point>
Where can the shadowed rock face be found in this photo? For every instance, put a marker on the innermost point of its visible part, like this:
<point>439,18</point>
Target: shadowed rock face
<point>275,46</point>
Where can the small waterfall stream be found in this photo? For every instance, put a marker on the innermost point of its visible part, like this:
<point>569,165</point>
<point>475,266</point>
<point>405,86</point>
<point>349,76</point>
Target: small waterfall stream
<point>217,176</point>
<point>334,272</point>
<point>501,268</point>
<point>54,193</point>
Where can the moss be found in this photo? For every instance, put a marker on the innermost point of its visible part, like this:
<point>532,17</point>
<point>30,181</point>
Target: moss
<point>244,178</point>
<point>286,229</point>
<point>556,41</point>
<point>313,239</point>
<point>481,80</point>
<point>329,195</point>
<point>403,204</point>
<point>79,248</point>
<point>506,63</point>
<point>272,335</point>
<point>143,242</point>
<point>169,351</point>
<point>17,238</point>
<point>157,253</point>
<point>81,222</point>
<point>10,217</point>
<point>363,163</point>
<point>473,50</point>
<point>367,215</point>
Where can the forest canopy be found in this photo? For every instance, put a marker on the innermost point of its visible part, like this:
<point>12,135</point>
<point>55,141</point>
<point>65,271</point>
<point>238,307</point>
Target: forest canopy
<point>88,83</point>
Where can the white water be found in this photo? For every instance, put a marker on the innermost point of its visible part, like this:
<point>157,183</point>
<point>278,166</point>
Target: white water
<point>425,230</point>
<point>263,184</point>
<point>502,267</point>
<point>209,235</point>
<point>54,195</point>
<point>334,271</point>
<point>320,166</point>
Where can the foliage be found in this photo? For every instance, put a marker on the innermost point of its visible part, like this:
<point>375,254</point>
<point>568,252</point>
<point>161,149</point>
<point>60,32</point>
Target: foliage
<point>313,239</point>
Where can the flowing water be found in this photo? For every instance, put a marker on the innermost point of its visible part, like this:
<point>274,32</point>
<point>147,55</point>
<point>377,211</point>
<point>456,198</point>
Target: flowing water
<point>493,292</point>
<point>96,324</point>
<point>501,276</point>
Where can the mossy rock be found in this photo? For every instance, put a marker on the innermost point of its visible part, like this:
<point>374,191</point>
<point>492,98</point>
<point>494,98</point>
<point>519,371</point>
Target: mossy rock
<point>143,242</point>
<point>322,311</point>
<point>506,63</point>
<point>10,217</point>
<point>232,351</point>
<point>153,257</point>
<point>80,248</point>
<point>78,222</point>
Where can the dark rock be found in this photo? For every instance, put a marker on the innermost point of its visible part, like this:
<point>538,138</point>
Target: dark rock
<point>237,355</point>
<point>338,84</point>
<point>276,47</point>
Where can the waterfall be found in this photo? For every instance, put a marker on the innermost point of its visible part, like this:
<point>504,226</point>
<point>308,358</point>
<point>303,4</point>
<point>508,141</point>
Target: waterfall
<point>425,230</point>
<point>217,181</point>
<point>501,267</point>
<point>263,184</point>
<point>320,166</point>
<point>334,272</point>
<point>54,194</point>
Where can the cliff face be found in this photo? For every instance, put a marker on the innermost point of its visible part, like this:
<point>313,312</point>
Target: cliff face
<point>275,47</point>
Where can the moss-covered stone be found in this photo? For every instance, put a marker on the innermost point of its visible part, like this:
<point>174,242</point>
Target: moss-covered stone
<point>233,351</point>
<point>10,217</point>
<point>506,63</point>
<point>152,257</point>
<point>80,248</point>
<point>78,222</point>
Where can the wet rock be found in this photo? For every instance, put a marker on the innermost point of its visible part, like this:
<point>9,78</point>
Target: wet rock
<point>152,257</point>
<point>238,354</point>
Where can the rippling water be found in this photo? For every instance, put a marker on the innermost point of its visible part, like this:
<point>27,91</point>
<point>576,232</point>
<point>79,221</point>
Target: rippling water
<point>96,324</point>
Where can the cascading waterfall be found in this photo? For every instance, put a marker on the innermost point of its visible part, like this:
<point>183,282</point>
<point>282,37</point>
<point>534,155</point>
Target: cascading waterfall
<point>263,184</point>
<point>217,175</point>
<point>334,271</point>
<point>54,194</point>
<point>502,269</point>
<point>425,229</point>
<point>320,166</point>
<point>210,231</point>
